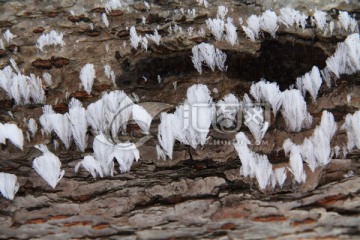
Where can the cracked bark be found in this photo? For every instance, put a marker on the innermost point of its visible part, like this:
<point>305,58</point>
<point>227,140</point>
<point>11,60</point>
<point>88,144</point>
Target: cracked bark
<point>200,193</point>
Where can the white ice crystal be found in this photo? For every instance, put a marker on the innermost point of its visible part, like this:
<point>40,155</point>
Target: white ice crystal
<point>347,22</point>
<point>48,166</point>
<point>5,79</point>
<point>104,152</point>
<point>263,170</point>
<point>32,126</point>
<point>316,150</point>
<point>109,73</point>
<point>14,65</point>
<point>353,44</point>
<point>135,40</point>
<point>331,27</point>
<point>8,36</point>
<point>266,92</point>
<point>326,76</point>
<point>160,153</point>
<point>59,123</point>
<point>328,124</point>
<point>308,153</point>
<point>199,100</point>
<point>20,87</point>
<point>294,110</point>
<point>245,155</point>
<point>253,27</point>
<point>105,19</point>
<point>280,175</point>
<point>13,133</point>
<point>203,2</point>
<point>78,123</point>
<point>346,59</point>
<point>170,125</point>
<point>254,119</point>
<point>112,5</point>
<point>217,27</point>
<point>227,110</point>
<point>310,82</point>
<point>50,39</point>
<point>113,112</point>
<point>95,116</point>
<point>37,93</point>
<point>320,19</point>
<point>45,120</point>
<point>268,22</point>
<point>322,148</point>
<point>249,33</point>
<point>296,164</point>
<point>230,30</point>
<point>301,20</point>
<point>352,127</point>
<point>91,165</point>
<point>144,43</point>
<point>190,123</point>
<point>156,38</point>
<point>47,79</point>
<point>207,54</point>
<point>125,154</point>
<point>117,111</point>
<point>253,164</point>
<point>141,117</point>
<point>8,185</point>
<point>344,19</point>
<point>87,75</point>
<point>221,12</point>
<point>288,16</point>
<point>338,61</point>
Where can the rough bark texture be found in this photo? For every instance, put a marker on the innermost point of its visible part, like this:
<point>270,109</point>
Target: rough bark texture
<point>200,193</point>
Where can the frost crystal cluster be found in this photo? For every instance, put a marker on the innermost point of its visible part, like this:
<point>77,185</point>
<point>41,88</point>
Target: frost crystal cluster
<point>254,119</point>
<point>102,164</point>
<point>13,133</point>
<point>50,39</point>
<point>190,123</point>
<point>217,27</point>
<point>310,82</point>
<point>315,150</point>
<point>156,38</point>
<point>352,127</point>
<point>48,166</point>
<point>8,36</point>
<point>87,76</point>
<point>256,165</point>
<point>112,113</point>
<point>137,40</point>
<point>346,59</point>
<point>23,89</point>
<point>266,92</point>
<point>227,109</point>
<point>8,185</point>
<point>294,110</point>
<point>268,22</point>
<point>207,54</point>
<point>111,5</point>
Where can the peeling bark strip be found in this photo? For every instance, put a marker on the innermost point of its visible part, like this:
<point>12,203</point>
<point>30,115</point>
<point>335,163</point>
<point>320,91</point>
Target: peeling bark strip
<point>200,193</point>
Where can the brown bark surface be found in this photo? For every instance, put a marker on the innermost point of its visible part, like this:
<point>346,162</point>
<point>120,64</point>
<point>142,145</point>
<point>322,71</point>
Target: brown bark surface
<point>200,192</point>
